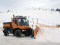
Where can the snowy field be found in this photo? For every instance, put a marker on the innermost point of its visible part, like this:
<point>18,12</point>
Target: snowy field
<point>46,17</point>
<point>45,36</point>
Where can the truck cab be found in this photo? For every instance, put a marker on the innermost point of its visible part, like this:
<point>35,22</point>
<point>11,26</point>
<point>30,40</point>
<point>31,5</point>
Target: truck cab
<point>20,22</point>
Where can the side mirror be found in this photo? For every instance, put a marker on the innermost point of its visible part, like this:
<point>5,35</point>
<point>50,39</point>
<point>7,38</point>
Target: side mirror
<point>27,20</point>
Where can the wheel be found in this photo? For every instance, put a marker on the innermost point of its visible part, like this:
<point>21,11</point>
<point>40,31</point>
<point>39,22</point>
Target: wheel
<point>18,33</point>
<point>31,32</point>
<point>14,32</point>
<point>27,33</point>
<point>6,32</point>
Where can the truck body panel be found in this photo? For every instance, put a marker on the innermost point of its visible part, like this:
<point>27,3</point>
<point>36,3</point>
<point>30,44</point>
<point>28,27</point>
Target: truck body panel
<point>6,24</point>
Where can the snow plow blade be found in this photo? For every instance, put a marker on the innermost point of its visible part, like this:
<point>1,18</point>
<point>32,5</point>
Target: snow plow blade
<point>36,31</point>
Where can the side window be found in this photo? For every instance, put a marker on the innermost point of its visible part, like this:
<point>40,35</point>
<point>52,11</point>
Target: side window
<point>15,21</point>
<point>24,20</point>
<point>19,20</point>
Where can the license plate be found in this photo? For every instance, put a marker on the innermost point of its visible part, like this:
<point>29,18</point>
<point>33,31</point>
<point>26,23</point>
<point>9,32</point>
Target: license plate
<point>23,30</point>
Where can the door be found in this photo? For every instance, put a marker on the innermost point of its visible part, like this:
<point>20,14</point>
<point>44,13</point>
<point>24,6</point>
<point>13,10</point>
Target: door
<point>15,23</point>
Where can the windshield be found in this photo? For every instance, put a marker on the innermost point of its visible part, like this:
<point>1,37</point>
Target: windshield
<point>23,21</point>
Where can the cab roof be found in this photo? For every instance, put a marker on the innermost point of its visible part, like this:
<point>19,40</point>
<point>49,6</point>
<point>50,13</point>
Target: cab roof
<point>19,17</point>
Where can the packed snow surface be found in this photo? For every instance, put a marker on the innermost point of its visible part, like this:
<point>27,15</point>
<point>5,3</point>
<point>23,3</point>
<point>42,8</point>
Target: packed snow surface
<point>45,36</point>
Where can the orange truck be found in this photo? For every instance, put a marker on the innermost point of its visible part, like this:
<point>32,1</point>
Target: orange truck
<point>19,25</point>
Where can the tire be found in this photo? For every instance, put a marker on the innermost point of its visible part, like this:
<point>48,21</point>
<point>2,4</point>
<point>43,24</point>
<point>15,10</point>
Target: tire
<point>18,33</point>
<point>6,32</point>
<point>14,32</point>
<point>31,32</point>
<point>27,33</point>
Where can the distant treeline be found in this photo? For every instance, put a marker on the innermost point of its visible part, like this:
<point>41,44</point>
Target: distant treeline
<point>58,9</point>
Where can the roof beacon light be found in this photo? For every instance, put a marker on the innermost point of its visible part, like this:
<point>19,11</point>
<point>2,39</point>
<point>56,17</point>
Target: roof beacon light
<point>13,15</point>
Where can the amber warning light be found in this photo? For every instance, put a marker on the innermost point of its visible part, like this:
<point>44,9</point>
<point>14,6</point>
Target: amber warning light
<point>13,15</point>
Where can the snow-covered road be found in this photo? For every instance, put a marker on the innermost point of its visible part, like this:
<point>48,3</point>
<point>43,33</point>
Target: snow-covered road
<point>12,40</point>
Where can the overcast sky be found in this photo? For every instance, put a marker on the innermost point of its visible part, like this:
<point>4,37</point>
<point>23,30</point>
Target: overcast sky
<point>16,5</point>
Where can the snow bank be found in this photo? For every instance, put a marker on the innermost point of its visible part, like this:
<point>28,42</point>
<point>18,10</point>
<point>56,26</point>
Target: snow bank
<point>46,34</point>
